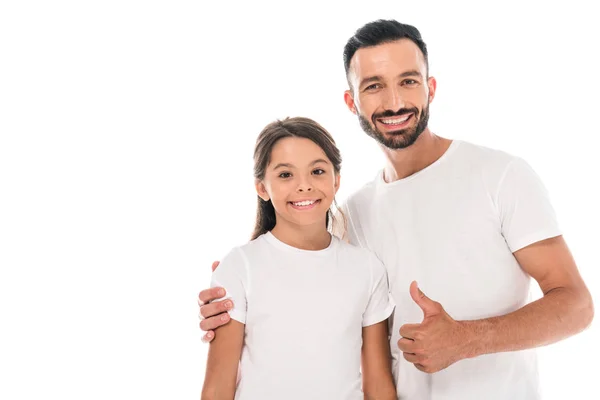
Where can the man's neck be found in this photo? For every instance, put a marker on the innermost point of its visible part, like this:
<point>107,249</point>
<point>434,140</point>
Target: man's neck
<point>426,150</point>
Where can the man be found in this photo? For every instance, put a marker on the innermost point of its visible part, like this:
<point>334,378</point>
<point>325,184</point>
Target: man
<point>471,225</point>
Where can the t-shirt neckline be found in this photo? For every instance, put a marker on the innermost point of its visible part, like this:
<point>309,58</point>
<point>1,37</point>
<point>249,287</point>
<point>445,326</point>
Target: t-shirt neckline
<point>270,238</point>
<point>381,182</point>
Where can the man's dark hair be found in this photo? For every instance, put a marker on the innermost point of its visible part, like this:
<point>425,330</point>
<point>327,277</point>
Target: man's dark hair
<point>379,32</point>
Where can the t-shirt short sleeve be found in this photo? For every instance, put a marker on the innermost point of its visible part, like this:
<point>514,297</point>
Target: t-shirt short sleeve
<point>231,274</point>
<point>526,214</point>
<point>380,305</point>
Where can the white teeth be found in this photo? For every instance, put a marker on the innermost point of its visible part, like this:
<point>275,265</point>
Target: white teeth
<point>395,121</point>
<point>304,203</point>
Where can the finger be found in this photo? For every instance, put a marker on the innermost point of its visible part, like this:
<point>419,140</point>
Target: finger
<point>213,323</point>
<point>406,345</point>
<point>215,308</point>
<point>428,306</point>
<point>210,335</point>
<point>412,358</point>
<point>408,330</point>
<point>214,265</point>
<point>208,295</point>
<point>421,368</point>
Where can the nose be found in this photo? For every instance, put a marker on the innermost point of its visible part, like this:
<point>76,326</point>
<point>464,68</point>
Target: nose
<point>393,99</point>
<point>304,185</point>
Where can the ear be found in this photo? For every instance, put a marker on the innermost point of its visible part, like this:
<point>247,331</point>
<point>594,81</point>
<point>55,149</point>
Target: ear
<point>349,100</point>
<point>432,84</point>
<point>261,190</point>
<point>336,184</point>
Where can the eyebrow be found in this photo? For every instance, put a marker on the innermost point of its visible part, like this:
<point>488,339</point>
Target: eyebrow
<point>376,78</point>
<point>286,165</point>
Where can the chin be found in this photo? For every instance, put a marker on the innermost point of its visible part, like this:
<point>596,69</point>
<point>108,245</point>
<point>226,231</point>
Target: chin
<point>307,222</point>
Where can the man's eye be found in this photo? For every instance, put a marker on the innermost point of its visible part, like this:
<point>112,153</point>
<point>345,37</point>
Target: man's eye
<point>318,171</point>
<point>410,82</point>
<point>285,175</point>
<point>372,87</point>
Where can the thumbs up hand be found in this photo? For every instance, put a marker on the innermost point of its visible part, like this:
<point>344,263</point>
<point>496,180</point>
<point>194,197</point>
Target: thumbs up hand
<point>437,342</point>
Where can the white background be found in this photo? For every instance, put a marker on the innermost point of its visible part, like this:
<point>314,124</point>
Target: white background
<point>127,130</point>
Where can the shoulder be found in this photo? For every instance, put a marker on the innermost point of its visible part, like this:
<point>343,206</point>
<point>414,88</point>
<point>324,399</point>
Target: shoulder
<point>359,256</point>
<point>363,265</point>
<point>484,156</point>
<point>491,165</point>
<point>253,249</point>
<point>358,203</point>
<point>364,194</point>
<point>239,259</point>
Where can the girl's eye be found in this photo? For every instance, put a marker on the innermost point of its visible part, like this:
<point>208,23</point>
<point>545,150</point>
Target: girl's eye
<point>318,171</point>
<point>285,175</point>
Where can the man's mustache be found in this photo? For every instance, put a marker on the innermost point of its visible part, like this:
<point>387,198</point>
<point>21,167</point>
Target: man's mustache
<point>399,113</point>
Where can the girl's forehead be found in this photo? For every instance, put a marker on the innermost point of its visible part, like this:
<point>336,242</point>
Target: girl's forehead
<point>298,149</point>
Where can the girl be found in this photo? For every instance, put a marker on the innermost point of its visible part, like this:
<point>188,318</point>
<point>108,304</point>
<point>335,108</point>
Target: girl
<point>308,307</point>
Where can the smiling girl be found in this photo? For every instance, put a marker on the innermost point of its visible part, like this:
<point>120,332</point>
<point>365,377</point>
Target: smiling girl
<point>310,311</point>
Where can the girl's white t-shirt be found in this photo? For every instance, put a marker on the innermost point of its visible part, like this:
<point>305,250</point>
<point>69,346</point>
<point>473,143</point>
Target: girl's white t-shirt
<point>303,313</point>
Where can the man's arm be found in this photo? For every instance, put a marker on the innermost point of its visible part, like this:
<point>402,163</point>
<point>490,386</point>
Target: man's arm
<point>222,365</point>
<point>213,314</point>
<point>565,309</point>
<point>378,383</point>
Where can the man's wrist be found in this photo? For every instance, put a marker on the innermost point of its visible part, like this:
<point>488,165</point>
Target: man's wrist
<point>476,335</point>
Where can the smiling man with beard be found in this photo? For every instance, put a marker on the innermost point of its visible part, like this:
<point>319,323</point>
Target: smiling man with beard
<point>472,225</point>
<point>400,138</point>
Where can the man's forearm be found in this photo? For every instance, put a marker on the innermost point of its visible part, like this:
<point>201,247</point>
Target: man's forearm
<point>558,315</point>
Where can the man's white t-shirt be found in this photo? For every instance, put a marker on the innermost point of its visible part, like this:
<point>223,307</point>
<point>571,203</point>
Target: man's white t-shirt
<point>303,313</point>
<point>453,227</point>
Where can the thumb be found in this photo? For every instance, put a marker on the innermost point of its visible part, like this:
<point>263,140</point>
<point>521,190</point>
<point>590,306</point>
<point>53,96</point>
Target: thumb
<point>428,306</point>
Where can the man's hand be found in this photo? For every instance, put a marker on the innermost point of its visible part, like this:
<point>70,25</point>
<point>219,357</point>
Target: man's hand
<point>213,314</point>
<point>435,343</point>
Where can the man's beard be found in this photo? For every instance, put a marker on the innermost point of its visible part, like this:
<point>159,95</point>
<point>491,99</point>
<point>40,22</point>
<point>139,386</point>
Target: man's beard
<point>402,138</point>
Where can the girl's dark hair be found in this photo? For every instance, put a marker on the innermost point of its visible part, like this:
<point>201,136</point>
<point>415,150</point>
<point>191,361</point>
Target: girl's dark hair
<point>298,127</point>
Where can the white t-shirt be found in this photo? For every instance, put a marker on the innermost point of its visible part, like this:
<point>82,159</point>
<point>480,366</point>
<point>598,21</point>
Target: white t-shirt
<point>453,227</point>
<point>303,313</point>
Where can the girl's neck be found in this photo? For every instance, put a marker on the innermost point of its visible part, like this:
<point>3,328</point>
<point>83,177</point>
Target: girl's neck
<point>311,237</point>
